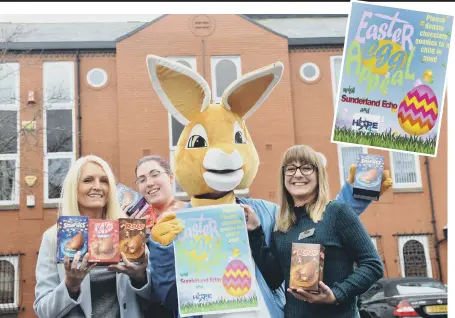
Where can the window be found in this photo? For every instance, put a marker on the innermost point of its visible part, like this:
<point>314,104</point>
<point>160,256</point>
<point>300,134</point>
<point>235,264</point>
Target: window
<point>377,296</point>
<point>225,70</point>
<point>347,155</point>
<point>405,169</point>
<point>9,132</point>
<point>423,287</point>
<point>97,77</point>
<point>335,67</point>
<point>309,72</point>
<point>59,126</point>
<point>414,256</point>
<point>188,61</point>
<point>9,282</point>
<point>375,242</point>
<point>372,292</point>
<point>175,127</point>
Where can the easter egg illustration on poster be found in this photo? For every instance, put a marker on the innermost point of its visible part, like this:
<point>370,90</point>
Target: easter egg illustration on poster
<point>393,79</point>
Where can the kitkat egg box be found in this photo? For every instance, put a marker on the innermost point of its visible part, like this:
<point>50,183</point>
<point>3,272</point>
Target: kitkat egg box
<point>103,238</point>
<point>368,177</point>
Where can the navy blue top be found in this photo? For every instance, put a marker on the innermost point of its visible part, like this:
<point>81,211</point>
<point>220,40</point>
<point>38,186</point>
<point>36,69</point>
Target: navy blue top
<point>345,240</point>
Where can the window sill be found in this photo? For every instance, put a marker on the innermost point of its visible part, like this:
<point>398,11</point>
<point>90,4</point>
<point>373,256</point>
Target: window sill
<point>408,190</point>
<point>9,207</point>
<point>53,205</point>
<point>6,309</point>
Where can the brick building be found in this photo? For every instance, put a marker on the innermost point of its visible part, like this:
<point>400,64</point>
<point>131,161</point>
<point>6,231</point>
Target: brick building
<point>77,89</point>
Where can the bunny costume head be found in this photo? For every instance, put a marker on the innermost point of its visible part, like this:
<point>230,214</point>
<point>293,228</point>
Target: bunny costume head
<point>215,153</point>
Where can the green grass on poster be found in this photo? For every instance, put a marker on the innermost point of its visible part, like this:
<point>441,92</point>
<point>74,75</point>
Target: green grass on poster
<point>386,139</point>
<point>238,303</point>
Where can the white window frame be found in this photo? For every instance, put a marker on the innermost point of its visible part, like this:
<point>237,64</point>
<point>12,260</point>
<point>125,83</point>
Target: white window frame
<point>334,80</point>
<point>174,187</point>
<point>214,60</point>
<point>102,71</point>
<point>171,158</point>
<point>315,77</point>
<point>189,59</point>
<point>14,107</point>
<point>340,159</point>
<point>374,240</point>
<point>406,187</point>
<point>14,260</point>
<point>423,239</point>
<point>58,106</point>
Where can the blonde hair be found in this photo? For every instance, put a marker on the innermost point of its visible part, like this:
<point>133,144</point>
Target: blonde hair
<point>69,206</point>
<point>69,202</point>
<point>286,217</point>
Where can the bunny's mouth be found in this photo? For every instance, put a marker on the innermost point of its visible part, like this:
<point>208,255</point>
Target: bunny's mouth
<point>226,171</point>
<point>222,172</point>
<point>223,180</point>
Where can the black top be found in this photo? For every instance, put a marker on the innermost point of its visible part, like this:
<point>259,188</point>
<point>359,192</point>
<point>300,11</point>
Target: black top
<point>103,289</point>
<point>345,240</point>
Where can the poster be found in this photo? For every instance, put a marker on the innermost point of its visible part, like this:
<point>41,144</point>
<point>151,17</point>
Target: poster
<point>393,78</point>
<point>214,267</point>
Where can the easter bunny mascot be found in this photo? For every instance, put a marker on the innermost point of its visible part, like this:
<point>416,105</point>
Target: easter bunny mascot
<point>214,156</point>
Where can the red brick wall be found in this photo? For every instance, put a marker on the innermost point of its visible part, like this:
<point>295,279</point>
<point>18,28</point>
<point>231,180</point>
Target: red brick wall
<point>99,110</point>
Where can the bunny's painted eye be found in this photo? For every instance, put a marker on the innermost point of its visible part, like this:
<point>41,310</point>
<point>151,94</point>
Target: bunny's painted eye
<point>198,138</point>
<point>197,142</point>
<point>239,135</point>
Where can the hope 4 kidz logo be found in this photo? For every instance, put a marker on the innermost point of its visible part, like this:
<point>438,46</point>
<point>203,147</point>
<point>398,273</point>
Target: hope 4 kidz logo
<point>366,123</point>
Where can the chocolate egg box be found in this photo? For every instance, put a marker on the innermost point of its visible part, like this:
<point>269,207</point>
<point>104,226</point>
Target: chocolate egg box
<point>368,177</point>
<point>72,236</point>
<point>307,266</point>
<point>132,238</point>
<point>103,236</point>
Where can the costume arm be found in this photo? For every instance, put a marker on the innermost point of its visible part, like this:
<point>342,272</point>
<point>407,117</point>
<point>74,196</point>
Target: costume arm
<point>265,259</point>
<point>162,273</point>
<point>345,196</point>
<point>52,299</point>
<point>357,243</point>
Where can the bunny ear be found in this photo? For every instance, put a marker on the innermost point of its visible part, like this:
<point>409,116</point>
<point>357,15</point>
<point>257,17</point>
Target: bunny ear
<point>248,92</point>
<point>181,90</point>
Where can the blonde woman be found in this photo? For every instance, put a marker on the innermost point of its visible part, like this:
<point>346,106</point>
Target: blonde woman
<point>306,215</point>
<point>78,289</point>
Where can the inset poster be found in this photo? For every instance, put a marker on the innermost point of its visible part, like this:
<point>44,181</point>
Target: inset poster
<point>393,79</point>
<point>214,268</point>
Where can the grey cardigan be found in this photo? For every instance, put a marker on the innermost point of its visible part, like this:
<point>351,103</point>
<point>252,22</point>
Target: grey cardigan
<point>52,299</point>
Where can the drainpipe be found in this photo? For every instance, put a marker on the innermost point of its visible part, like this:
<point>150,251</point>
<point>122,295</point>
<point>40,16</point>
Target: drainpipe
<point>433,219</point>
<point>203,58</point>
<point>79,115</point>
